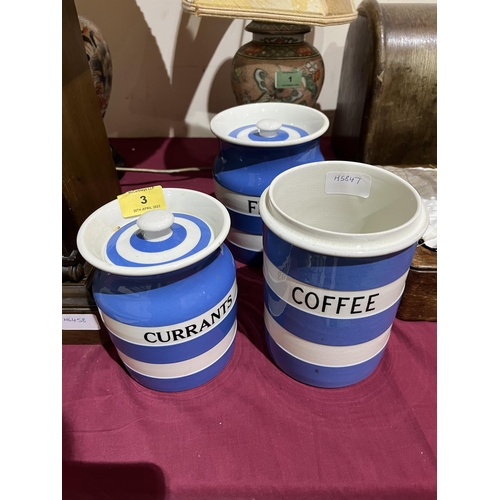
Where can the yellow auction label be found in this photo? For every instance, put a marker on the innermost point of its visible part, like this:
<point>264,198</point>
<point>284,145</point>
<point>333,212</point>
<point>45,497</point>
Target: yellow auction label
<point>138,201</point>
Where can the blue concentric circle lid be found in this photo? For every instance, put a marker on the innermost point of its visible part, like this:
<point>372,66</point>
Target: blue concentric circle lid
<point>269,124</point>
<point>131,247</point>
<point>268,130</point>
<point>157,241</point>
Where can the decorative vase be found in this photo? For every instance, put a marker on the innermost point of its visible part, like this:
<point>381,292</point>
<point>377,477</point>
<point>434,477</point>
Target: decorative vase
<point>277,65</point>
<point>99,59</point>
<point>101,70</point>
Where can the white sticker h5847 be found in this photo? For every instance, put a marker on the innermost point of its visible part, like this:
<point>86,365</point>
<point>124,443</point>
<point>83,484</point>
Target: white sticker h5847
<point>352,183</point>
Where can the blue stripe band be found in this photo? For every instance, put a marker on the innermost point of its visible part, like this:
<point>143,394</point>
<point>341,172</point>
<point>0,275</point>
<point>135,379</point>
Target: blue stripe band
<point>327,331</point>
<point>321,376</point>
<point>252,133</point>
<point>138,242</point>
<point>245,256</point>
<point>247,223</point>
<point>166,299</point>
<point>172,353</point>
<point>184,383</point>
<point>336,273</point>
<point>250,170</point>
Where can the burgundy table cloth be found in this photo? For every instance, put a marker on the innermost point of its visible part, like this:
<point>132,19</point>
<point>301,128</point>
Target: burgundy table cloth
<point>252,432</point>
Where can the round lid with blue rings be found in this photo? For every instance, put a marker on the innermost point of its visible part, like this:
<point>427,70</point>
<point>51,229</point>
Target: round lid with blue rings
<point>269,124</point>
<point>192,227</point>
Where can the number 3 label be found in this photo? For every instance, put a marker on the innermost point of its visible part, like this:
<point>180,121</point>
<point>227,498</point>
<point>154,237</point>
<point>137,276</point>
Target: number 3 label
<point>138,201</point>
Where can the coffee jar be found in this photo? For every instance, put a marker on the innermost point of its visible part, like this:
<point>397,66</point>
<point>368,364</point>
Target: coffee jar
<point>339,238</point>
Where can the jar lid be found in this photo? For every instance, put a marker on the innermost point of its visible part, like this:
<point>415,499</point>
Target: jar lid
<point>269,124</point>
<point>158,241</point>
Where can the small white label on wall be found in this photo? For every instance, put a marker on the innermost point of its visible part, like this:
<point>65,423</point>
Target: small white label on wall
<point>348,183</point>
<point>80,322</point>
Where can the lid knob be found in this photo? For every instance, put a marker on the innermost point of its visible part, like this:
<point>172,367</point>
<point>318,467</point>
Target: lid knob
<point>268,127</point>
<point>155,224</point>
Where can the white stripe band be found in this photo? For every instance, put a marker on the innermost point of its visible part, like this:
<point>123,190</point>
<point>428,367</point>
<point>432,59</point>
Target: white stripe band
<point>324,355</point>
<point>245,240</point>
<point>331,303</point>
<point>139,334</point>
<point>243,203</point>
<point>182,368</point>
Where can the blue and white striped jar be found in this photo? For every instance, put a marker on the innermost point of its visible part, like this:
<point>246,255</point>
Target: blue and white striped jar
<point>339,238</point>
<point>165,287</point>
<point>257,142</point>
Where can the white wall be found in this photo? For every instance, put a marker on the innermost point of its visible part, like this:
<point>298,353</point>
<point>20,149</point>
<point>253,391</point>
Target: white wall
<point>171,69</point>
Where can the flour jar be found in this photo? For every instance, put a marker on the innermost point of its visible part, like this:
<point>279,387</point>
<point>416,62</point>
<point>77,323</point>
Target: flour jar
<point>165,287</point>
<point>339,238</point>
<point>257,142</point>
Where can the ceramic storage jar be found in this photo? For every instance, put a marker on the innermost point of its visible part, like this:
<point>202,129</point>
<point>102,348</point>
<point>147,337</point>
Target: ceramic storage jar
<point>257,142</point>
<point>165,286</point>
<point>339,239</point>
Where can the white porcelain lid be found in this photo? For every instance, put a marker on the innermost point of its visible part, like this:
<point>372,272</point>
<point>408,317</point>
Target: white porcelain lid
<point>159,241</point>
<point>269,124</point>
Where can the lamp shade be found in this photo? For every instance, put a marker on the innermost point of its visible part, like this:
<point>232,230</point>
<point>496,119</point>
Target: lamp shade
<point>311,12</point>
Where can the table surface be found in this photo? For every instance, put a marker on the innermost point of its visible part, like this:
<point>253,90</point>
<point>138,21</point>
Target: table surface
<point>252,432</point>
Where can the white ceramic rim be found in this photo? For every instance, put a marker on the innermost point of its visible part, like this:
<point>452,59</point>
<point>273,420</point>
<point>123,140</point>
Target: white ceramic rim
<point>252,109</point>
<point>344,244</point>
<point>113,206</point>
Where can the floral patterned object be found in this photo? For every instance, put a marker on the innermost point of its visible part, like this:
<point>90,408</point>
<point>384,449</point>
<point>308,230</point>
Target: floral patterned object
<point>275,49</point>
<point>99,59</point>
